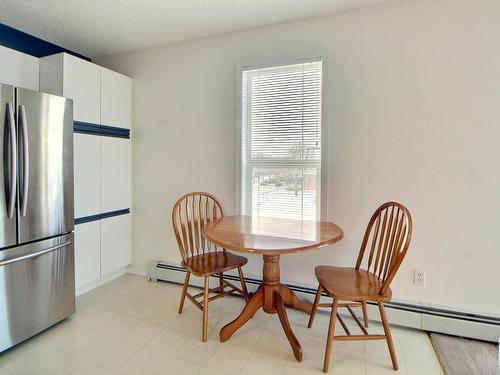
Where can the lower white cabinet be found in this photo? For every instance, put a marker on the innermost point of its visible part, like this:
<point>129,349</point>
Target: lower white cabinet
<point>87,253</point>
<point>115,243</point>
<point>101,248</point>
<point>116,99</point>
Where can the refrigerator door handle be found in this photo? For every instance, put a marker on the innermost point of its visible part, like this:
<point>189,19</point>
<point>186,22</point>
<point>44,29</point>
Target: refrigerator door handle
<point>34,255</point>
<point>26,160</point>
<point>13,161</point>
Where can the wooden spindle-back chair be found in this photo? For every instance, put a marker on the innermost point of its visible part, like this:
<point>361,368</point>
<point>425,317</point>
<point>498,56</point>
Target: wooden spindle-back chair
<point>386,242</point>
<point>201,257</point>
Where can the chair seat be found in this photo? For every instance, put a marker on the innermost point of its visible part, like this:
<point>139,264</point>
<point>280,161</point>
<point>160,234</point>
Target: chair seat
<point>346,283</point>
<point>210,263</point>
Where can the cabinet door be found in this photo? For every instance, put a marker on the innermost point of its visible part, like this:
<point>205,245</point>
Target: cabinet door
<point>87,252</point>
<point>116,174</point>
<point>87,164</point>
<point>82,83</point>
<point>18,69</point>
<point>115,243</point>
<point>116,99</point>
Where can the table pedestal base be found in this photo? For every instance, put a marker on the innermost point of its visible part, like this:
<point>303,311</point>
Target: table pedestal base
<point>272,296</point>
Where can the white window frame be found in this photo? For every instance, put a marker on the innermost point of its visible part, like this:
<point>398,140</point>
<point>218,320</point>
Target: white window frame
<point>242,66</point>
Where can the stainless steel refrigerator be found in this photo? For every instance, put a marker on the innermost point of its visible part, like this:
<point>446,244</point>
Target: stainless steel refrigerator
<point>37,283</point>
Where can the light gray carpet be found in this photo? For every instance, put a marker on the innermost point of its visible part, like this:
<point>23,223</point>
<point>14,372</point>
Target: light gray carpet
<point>465,356</point>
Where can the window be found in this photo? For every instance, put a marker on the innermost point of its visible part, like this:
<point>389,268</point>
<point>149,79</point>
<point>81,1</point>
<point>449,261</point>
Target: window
<point>281,141</point>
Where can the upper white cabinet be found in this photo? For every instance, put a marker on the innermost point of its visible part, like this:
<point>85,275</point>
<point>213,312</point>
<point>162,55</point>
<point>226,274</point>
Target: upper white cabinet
<point>69,76</point>
<point>18,69</point>
<point>81,83</point>
<point>116,98</point>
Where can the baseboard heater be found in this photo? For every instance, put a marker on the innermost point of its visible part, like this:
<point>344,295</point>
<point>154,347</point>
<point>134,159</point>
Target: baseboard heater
<point>418,316</point>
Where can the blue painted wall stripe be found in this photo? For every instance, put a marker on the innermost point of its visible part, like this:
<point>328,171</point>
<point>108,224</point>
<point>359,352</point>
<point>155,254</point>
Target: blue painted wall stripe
<point>104,215</point>
<point>26,43</point>
<point>102,130</point>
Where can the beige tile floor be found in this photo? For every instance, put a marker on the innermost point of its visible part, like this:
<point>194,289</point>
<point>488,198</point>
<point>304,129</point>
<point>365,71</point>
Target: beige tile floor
<point>131,326</point>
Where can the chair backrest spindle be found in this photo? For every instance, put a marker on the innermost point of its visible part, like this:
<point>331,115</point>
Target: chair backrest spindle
<point>387,237</point>
<point>190,213</point>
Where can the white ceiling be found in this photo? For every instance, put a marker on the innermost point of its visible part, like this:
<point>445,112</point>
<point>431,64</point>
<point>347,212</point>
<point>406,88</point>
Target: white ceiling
<point>97,27</point>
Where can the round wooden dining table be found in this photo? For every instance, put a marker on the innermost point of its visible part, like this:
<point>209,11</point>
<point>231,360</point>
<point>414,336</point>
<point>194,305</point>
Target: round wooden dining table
<point>270,237</point>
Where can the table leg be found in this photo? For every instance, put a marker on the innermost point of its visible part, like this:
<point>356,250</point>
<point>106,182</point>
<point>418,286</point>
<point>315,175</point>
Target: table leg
<point>270,281</point>
<point>291,299</point>
<point>294,343</point>
<point>272,296</point>
<point>255,303</point>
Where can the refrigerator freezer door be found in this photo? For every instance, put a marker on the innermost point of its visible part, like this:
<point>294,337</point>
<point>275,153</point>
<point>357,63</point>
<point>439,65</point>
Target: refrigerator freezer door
<point>8,172</point>
<point>45,159</point>
<point>37,288</point>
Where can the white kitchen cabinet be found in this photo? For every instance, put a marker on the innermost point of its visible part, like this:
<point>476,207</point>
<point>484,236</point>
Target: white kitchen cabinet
<point>115,243</point>
<point>87,253</point>
<point>69,76</point>
<point>18,69</point>
<point>102,163</point>
<point>116,174</point>
<point>116,99</point>
<point>87,174</point>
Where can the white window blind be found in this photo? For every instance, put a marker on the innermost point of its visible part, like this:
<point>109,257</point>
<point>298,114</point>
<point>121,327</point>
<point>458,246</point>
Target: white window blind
<point>281,141</point>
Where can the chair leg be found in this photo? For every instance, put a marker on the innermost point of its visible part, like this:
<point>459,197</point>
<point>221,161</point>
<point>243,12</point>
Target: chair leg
<point>205,308</point>
<point>365,313</point>
<point>221,282</point>
<point>329,339</point>
<point>243,284</point>
<point>388,335</point>
<point>315,306</point>
<point>184,291</point>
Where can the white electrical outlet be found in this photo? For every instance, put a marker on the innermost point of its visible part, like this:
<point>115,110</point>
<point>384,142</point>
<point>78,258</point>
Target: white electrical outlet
<point>419,277</point>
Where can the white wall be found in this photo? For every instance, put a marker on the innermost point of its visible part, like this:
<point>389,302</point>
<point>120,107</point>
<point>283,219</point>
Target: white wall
<point>414,115</point>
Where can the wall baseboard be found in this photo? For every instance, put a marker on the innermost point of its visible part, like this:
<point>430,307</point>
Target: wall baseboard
<point>100,281</point>
<point>419,316</point>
